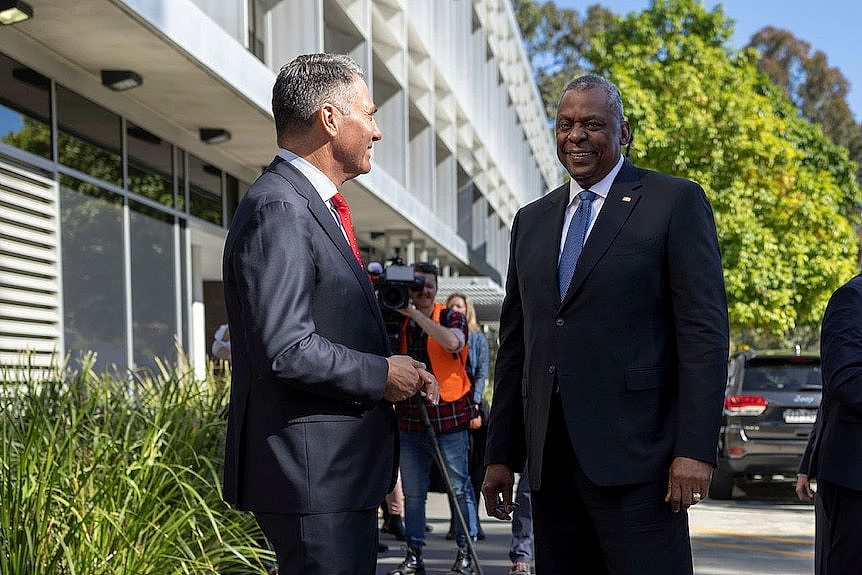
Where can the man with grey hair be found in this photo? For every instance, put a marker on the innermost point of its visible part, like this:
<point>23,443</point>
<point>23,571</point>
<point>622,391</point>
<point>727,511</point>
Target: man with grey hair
<point>611,370</point>
<point>311,432</point>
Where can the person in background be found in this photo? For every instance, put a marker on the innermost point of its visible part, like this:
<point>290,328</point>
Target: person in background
<point>521,546</point>
<point>610,375</point>
<point>437,337</point>
<point>221,342</point>
<point>311,433</point>
<point>478,366</point>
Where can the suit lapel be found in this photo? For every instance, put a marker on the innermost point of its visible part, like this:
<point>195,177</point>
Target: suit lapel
<point>622,199</point>
<point>326,220</point>
<point>555,212</point>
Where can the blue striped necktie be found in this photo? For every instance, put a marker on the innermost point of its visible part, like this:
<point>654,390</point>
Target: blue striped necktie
<point>575,239</point>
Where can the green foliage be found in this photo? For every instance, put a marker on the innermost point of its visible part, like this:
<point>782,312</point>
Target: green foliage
<point>818,90</point>
<point>105,475</point>
<point>784,196</point>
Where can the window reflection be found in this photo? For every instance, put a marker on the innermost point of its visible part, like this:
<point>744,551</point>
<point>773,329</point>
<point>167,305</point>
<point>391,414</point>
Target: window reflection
<point>25,108</point>
<point>149,165</point>
<point>94,300</point>
<point>89,138</point>
<point>204,190</point>
<point>154,319</point>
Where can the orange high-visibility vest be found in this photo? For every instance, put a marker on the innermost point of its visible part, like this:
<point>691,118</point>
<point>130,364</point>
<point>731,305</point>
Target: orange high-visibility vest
<point>446,366</point>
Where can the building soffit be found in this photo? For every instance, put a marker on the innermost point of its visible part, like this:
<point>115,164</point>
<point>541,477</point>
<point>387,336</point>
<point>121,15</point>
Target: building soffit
<point>160,44</point>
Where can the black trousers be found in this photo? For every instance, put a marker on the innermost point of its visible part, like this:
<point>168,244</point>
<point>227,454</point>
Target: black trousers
<point>843,509</point>
<point>581,527</point>
<point>342,543</point>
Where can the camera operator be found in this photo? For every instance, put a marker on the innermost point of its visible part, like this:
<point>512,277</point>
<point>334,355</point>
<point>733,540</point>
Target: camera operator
<point>432,334</point>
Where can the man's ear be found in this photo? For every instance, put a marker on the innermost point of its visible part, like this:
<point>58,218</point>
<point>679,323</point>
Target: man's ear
<point>327,116</point>
<point>625,133</point>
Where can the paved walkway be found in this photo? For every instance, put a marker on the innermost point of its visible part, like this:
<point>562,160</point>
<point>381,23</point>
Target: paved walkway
<point>439,553</point>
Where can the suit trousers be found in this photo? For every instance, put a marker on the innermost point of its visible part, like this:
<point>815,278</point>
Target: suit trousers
<point>843,509</point>
<point>343,543</point>
<point>581,527</point>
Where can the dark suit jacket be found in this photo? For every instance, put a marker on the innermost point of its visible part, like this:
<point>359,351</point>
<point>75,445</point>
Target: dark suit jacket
<point>308,430</point>
<point>638,345</point>
<point>839,440</point>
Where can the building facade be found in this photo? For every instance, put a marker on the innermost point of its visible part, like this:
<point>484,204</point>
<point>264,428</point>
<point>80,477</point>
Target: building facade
<point>129,129</point>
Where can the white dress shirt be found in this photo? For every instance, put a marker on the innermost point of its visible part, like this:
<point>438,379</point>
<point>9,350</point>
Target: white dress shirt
<point>321,183</point>
<point>601,189</point>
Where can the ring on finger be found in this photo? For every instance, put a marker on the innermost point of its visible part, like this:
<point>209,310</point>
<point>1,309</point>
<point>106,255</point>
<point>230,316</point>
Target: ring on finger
<point>695,496</point>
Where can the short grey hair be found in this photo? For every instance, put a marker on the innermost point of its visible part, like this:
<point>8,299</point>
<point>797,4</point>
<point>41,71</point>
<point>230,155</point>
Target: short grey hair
<point>305,83</point>
<point>612,93</point>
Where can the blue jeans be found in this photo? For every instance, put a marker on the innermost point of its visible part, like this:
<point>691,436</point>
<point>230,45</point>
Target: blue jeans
<point>417,457</point>
<point>521,548</point>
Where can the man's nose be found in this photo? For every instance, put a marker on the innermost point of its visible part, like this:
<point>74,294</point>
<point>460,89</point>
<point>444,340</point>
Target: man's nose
<point>577,133</point>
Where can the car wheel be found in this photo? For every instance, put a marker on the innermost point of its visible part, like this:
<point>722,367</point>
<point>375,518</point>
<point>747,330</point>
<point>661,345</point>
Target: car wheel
<point>722,483</point>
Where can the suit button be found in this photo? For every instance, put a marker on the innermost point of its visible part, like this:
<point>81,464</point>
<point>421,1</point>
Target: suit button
<point>560,322</point>
<point>552,369</point>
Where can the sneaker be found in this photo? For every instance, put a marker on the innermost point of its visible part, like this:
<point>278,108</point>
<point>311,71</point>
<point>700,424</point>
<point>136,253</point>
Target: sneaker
<point>412,564</point>
<point>463,564</point>
<point>520,568</point>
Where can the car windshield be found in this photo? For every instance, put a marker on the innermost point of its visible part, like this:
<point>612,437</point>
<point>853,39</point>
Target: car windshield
<point>782,377</point>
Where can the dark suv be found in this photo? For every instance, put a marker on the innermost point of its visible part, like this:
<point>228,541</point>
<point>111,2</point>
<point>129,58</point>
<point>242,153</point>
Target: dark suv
<point>770,405</point>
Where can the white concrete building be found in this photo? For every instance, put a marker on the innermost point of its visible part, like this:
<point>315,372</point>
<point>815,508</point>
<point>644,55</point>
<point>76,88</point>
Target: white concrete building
<point>114,204</point>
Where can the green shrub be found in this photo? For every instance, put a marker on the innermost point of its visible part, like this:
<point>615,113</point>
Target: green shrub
<point>101,474</point>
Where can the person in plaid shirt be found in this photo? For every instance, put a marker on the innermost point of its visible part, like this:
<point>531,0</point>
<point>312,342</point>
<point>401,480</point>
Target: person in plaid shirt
<point>437,337</point>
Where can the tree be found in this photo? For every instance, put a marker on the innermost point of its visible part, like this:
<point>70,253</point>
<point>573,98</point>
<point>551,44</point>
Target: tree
<point>555,40</point>
<point>784,196</point>
<point>817,90</point>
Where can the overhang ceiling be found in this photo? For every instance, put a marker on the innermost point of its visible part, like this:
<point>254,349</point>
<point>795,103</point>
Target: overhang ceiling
<point>93,35</point>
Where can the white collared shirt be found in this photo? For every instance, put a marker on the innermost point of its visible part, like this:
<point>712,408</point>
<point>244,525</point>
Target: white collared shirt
<point>601,189</point>
<point>319,181</point>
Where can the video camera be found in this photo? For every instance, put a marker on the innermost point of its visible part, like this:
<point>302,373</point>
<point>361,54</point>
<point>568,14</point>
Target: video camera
<point>394,283</point>
<point>393,286</point>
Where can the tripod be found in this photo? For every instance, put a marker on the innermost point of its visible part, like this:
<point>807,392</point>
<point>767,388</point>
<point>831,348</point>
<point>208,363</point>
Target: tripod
<point>441,464</point>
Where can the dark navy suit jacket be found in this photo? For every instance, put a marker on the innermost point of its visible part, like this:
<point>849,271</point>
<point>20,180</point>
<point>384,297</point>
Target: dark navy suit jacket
<point>838,448</point>
<point>638,345</point>
<point>308,430</point>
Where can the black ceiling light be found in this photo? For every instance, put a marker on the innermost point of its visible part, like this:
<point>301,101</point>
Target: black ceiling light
<point>119,80</point>
<point>214,135</point>
<point>14,11</point>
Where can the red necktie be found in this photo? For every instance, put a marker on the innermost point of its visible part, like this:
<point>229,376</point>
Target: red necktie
<point>340,205</point>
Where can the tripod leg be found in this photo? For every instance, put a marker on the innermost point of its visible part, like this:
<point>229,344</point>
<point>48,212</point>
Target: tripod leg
<point>441,462</point>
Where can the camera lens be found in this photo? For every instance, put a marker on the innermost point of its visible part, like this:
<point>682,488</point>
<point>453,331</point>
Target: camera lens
<point>394,297</point>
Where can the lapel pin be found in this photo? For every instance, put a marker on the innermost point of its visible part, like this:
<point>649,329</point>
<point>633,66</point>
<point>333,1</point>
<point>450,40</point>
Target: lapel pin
<point>626,199</point>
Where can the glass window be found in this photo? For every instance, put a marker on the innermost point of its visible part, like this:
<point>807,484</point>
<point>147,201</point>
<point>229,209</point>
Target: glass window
<point>204,190</point>
<point>257,29</point>
<point>784,375</point>
<point>150,167</point>
<point>25,108</point>
<point>180,169</point>
<point>154,285</point>
<point>94,297</point>
<point>89,138</point>
<point>234,191</point>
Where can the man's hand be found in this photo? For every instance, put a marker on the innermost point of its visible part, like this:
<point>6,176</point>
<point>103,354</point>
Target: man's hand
<point>404,378</point>
<point>803,488</point>
<point>688,482</point>
<point>497,489</point>
<point>476,422</point>
<point>430,387</point>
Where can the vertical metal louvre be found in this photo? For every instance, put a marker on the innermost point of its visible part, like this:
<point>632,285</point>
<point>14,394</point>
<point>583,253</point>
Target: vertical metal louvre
<point>30,311</point>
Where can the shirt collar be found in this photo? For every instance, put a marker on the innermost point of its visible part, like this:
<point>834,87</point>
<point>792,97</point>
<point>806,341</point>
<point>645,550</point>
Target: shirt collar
<point>324,186</point>
<point>601,188</point>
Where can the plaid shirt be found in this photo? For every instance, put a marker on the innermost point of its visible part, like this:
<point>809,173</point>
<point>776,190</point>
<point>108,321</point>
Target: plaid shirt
<point>448,416</point>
